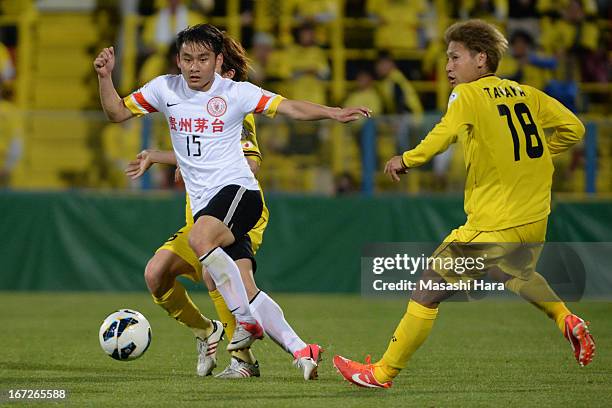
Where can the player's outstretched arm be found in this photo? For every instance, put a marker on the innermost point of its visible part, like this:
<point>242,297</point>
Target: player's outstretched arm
<point>145,159</point>
<point>395,167</point>
<point>302,110</point>
<point>436,141</point>
<point>112,103</point>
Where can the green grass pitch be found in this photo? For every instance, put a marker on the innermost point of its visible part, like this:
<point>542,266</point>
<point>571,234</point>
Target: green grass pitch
<point>486,353</point>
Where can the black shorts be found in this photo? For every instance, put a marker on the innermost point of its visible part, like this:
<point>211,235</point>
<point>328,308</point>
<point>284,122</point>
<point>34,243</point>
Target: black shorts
<point>236,207</point>
<point>242,249</point>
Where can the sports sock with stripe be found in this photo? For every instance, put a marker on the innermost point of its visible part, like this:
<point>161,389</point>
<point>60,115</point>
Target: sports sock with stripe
<point>271,317</point>
<point>226,275</point>
<point>229,323</point>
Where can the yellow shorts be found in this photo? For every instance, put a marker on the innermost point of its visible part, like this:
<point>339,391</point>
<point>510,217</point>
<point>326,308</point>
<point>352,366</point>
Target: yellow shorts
<point>179,244</point>
<point>515,251</point>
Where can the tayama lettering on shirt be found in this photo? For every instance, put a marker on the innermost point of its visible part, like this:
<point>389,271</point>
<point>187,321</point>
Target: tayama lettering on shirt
<point>206,128</point>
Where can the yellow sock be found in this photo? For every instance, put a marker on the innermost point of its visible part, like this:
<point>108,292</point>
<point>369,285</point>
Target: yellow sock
<point>538,293</point>
<point>557,311</point>
<point>245,355</point>
<point>178,304</point>
<point>226,317</point>
<point>410,333</point>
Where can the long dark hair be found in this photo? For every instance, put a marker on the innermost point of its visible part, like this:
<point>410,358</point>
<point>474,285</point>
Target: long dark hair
<point>235,57</point>
<point>205,34</point>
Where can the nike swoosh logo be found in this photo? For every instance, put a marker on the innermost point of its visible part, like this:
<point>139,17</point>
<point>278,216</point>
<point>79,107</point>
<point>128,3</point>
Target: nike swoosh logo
<point>359,381</point>
<point>233,310</point>
<point>171,104</point>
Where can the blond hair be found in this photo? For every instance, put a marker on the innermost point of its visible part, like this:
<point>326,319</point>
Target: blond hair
<point>479,36</point>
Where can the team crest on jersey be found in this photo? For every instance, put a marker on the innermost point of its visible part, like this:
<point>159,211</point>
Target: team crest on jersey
<point>216,106</point>
<point>452,98</point>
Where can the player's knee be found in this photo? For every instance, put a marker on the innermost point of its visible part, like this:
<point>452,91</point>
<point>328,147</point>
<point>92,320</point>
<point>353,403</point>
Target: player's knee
<point>155,274</point>
<point>209,233</point>
<point>430,305</point>
<point>499,275</point>
<point>201,243</point>
<point>425,299</point>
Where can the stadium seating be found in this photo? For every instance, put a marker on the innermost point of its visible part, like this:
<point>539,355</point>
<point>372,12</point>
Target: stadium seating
<point>55,74</point>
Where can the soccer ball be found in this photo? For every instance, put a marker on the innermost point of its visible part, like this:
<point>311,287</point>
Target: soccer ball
<point>125,335</point>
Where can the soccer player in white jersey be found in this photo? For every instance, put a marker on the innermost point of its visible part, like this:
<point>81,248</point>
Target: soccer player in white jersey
<point>175,258</point>
<point>205,114</point>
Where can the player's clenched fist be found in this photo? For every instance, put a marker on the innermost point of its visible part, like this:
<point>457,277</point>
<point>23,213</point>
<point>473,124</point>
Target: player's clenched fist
<point>105,62</point>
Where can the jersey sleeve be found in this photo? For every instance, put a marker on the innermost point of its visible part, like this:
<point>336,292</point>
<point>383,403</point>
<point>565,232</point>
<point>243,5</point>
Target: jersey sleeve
<point>254,99</point>
<point>568,129</point>
<point>250,147</point>
<point>146,99</point>
<point>458,116</point>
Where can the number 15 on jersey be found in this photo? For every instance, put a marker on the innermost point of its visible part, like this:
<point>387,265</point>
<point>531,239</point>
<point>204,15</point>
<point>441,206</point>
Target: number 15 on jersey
<point>194,147</point>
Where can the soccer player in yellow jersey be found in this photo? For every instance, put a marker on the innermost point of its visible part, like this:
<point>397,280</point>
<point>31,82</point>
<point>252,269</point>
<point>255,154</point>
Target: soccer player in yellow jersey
<point>176,258</point>
<point>500,124</point>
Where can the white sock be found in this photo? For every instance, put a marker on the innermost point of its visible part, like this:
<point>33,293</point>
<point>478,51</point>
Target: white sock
<point>269,314</point>
<point>226,275</point>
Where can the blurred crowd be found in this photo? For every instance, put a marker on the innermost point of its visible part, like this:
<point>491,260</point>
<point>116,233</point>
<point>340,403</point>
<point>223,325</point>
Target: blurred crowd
<point>10,133</point>
<point>292,42</point>
<point>381,53</point>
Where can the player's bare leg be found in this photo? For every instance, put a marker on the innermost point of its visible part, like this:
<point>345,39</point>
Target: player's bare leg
<point>160,275</point>
<point>207,238</point>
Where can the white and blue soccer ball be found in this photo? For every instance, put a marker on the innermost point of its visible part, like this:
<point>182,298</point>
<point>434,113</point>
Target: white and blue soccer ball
<point>125,335</point>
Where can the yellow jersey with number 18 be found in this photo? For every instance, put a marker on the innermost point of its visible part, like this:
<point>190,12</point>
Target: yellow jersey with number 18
<point>500,124</point>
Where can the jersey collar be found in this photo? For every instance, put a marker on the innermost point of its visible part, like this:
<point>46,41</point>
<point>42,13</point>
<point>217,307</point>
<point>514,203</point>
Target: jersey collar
<point>485,76</point>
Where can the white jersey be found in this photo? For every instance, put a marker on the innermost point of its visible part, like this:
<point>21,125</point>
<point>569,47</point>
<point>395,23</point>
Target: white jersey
<point>206,128</point>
